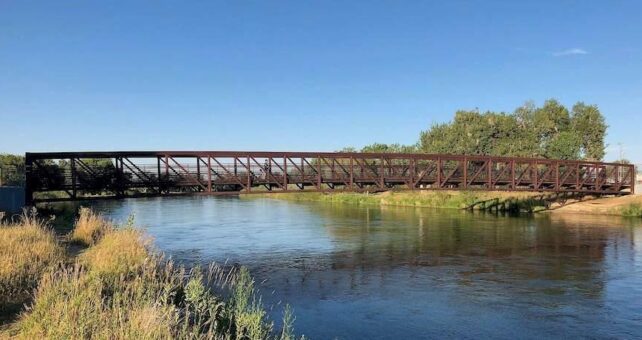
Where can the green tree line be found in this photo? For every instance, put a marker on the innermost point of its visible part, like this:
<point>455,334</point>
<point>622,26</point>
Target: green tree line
<point>549,131</point>
<point>12,170</point>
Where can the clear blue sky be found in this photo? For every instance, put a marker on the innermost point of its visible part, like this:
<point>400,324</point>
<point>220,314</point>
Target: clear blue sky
<point>303,75</point>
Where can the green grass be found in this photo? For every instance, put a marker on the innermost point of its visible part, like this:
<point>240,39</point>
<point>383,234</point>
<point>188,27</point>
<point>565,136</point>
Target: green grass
<point>474,200</point>
<point>632,210</point>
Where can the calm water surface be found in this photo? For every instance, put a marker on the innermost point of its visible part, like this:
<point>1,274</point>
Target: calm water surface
<point>355,272</point>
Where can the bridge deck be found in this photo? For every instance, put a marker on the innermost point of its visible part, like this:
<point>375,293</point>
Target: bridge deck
<point>83,175</point>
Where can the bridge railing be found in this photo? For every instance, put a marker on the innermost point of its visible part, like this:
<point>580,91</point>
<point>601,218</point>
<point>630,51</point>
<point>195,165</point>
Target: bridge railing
<point>122,174</point>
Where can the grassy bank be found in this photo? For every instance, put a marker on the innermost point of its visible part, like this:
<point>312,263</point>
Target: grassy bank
<point>496,201</point>
<point>473,200</point>
<point>631,210</point>
<point>120,287</point>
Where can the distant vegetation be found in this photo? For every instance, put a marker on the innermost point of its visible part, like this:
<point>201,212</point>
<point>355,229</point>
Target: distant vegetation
<point>12,170</point>
<point>549,131</point>
<point>118,287</point>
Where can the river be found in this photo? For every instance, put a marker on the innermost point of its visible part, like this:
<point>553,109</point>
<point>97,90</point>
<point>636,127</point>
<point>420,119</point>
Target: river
<point>369,272</point>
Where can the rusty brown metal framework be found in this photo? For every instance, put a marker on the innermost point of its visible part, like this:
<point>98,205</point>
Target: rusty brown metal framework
<point>90,175</point>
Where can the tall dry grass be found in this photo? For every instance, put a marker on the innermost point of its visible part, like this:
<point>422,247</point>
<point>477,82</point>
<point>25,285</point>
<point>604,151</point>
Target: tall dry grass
<point>89,227</point>
<point>121,288</point>
<point>28,248</point>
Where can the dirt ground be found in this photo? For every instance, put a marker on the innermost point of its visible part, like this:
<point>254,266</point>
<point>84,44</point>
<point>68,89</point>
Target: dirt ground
<point>605,206</point>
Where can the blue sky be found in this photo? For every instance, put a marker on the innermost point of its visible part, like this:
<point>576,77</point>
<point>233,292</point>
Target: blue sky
<point>303,75</point>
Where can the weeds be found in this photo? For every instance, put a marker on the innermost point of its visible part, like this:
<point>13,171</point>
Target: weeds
<point>27,249</point>
<point>89,228</point>
<point>121,288</point>
<point>246,309</point>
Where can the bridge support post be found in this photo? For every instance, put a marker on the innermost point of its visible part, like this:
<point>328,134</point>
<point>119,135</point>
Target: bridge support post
<point>285,173</point>
<point>413,169</point>
<point>209,173</point>
<point>633,177</point>
<point>465,161</point>
<point>438,172</point>
<point>119,175</point>
<point>577,176</point>
<point>72,164</point>
<point>198,169</point>
<point>249,175</point>
<point>351,173</point>
<point>29,180</point>
<point>557,176</point>
<point>489,165</point>
<point>158,174</point>
<point>381,175</point>
<point>512,175</point>
<point>319,172</point>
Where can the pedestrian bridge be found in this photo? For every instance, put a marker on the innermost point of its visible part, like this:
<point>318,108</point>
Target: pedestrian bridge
<point>91,175</point>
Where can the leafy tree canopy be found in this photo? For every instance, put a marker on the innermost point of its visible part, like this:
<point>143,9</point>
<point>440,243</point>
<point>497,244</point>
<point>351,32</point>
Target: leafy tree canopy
<point>549,131</point>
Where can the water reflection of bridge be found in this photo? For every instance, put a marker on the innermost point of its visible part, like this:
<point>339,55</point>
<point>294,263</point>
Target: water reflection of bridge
<point>78,175</point>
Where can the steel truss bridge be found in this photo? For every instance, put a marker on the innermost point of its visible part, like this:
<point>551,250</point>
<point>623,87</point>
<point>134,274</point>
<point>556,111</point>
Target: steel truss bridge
<point>90,175</point>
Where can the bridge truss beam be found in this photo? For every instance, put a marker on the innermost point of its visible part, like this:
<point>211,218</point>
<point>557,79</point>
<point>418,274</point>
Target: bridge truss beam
<point>90,175</point>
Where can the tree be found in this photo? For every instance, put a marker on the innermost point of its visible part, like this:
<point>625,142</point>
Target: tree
<point>389,148</point>
<point>591,127</point>
<point>565,145</point>
<point>550,131</point>
<point>12,169</point>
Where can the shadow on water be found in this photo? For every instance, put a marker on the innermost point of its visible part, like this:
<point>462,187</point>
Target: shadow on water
<point>377,272</point>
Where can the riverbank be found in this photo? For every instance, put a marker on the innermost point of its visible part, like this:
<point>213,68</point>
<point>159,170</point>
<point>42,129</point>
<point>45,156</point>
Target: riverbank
<point>630,206</point>
<point>449,199</point>
<point>107,281</point>
<point>499,201</point>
